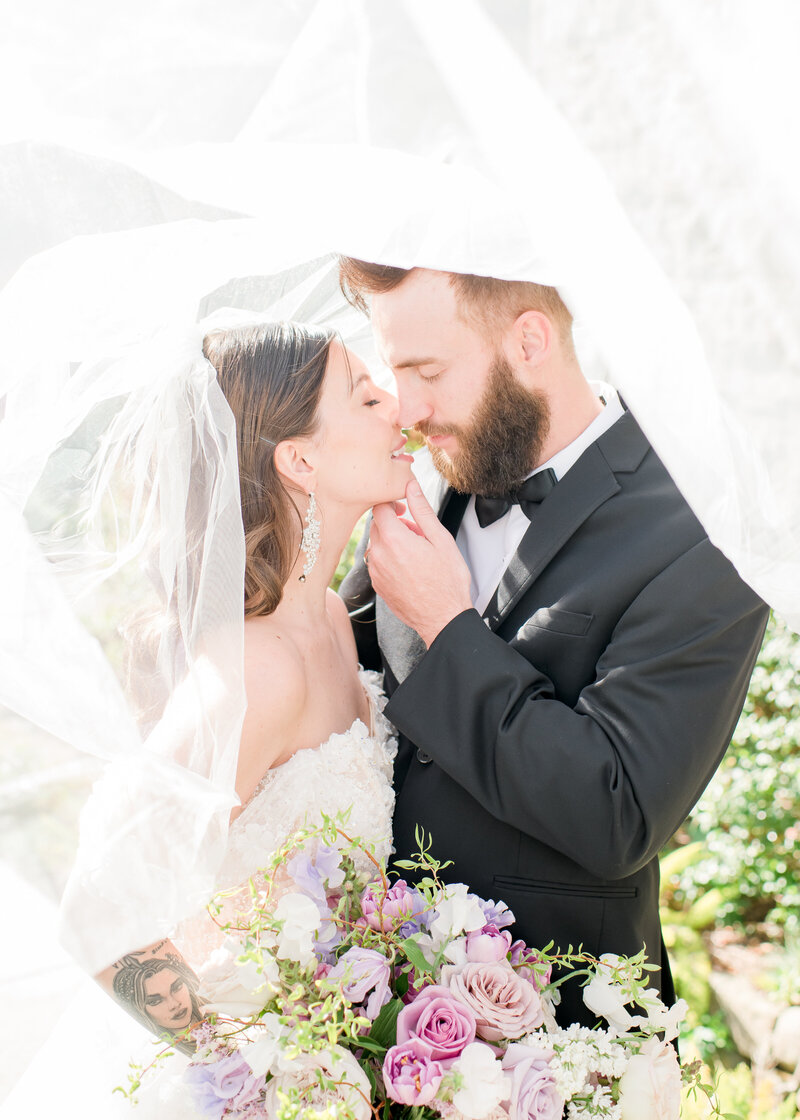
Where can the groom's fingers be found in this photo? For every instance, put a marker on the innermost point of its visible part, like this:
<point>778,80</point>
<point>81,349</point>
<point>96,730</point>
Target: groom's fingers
<point>423,512</point>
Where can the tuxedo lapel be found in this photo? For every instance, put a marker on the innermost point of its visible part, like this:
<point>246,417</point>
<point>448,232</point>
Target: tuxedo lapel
<point>589,483</point>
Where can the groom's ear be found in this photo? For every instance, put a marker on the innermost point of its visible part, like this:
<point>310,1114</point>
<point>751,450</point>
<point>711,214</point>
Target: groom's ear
<point>531,338</point>
<point>293,465</point>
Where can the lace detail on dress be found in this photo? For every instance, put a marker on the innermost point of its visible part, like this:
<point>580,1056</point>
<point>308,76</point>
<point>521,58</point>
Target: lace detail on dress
<point>350,770</point>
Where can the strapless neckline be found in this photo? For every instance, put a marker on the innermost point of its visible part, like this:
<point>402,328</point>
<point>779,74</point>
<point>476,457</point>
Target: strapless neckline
<point>371,687</point>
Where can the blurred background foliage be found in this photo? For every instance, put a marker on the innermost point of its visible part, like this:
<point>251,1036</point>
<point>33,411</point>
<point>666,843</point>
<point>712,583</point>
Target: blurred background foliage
<point>731,877</point>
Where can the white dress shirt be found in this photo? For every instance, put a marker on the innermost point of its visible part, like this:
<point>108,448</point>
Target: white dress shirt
<point>487,551</point>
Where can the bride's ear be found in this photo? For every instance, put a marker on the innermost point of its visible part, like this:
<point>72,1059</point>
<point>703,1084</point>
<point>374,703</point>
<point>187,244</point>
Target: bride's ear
<point>293,465</point>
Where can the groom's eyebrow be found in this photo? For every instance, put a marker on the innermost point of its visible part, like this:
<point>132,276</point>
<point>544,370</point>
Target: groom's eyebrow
<point>409,363</point>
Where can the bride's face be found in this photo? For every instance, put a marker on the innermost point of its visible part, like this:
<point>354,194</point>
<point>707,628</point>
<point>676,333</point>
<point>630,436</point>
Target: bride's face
<point>359,446</point>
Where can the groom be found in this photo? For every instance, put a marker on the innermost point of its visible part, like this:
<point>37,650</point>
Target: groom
<point>565,657</point>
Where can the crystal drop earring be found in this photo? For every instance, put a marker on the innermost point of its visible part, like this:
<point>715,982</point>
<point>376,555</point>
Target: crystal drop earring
<point>311,537</point>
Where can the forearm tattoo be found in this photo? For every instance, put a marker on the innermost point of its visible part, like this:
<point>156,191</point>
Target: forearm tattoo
<point>160,990</point>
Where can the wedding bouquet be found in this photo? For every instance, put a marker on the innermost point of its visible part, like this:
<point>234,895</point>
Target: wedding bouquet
<point>337,995</point>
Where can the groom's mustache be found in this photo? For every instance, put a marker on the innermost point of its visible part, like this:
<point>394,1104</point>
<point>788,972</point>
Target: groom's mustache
<point>423,430</point>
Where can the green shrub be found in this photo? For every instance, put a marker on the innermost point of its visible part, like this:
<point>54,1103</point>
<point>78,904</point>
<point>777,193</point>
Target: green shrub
<point>748,821</point>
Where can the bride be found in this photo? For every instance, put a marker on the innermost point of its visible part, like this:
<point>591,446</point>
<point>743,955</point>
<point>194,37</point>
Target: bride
<point>318,443</point>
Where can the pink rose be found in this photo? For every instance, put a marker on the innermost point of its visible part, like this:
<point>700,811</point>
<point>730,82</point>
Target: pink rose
<point>534,1094</point>
<point>504,1005</point>
<point>488,944</point>
<point>443,1023</point>
<point>651,1083</point>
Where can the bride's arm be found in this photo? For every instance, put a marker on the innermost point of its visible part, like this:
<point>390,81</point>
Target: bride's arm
<point>156,984</point>
<point>158,988</point>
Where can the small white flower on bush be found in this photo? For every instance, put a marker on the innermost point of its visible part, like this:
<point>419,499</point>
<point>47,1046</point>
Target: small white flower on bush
<point>484,1083</point>
<point>650,1088</point>
<point>301,920</point>
<point>458,912</point>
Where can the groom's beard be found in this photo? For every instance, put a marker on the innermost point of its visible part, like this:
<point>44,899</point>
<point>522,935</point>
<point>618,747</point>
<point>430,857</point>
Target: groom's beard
<point>503,441</point>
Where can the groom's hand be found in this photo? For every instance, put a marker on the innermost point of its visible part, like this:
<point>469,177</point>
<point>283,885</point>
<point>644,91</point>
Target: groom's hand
<point>415,566</point>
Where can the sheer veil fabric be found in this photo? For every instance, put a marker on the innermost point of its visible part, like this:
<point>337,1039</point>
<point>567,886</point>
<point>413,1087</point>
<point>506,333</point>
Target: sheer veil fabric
<point>179,166</point>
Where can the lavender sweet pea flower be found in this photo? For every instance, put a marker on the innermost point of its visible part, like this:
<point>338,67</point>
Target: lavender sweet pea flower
<point>312,869</point>
<point>438,1020</point>
<point>410,1075</point>
<point>401,908</point>
<point>488,944</point>
<point>225,1084</point>
<point>496,913</point>
<point>364,973</point>
<point>534,1094</point>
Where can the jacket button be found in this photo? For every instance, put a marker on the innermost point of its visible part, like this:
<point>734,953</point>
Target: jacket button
<point>423,758</point>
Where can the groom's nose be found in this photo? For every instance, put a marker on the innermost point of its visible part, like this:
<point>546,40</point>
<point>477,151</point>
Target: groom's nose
<point>414,403</point>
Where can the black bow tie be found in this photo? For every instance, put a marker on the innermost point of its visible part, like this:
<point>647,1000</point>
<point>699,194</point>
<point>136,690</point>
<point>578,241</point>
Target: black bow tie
<point>527,496</point>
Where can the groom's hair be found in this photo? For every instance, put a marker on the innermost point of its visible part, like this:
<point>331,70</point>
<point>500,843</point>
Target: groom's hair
<point>494,303</point>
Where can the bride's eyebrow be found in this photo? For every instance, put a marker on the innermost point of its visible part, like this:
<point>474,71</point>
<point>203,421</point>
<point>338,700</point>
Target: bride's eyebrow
<point>358,381</point>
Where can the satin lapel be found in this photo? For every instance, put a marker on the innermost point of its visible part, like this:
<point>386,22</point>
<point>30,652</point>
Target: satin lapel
<point>452,510</point>
<point>585,487</point>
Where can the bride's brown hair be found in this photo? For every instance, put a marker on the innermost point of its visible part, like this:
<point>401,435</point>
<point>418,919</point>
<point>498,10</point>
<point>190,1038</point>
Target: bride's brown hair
<point>272,376</point>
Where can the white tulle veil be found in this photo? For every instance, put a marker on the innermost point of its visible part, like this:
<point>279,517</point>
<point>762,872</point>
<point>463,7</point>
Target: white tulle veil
<point>430,134</point>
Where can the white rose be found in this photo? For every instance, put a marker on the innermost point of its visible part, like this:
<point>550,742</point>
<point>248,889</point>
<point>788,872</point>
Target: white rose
<point>337,1064</point>
<point>484,1084</point>
<point>301,920</point>
<point>456,913</point>
<point>650,1087</point>
<point>235,988</point>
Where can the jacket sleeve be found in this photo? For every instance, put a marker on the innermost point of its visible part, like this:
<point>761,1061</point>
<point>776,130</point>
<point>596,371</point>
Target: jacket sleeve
<point>359,597</point>
<point>608,781</point>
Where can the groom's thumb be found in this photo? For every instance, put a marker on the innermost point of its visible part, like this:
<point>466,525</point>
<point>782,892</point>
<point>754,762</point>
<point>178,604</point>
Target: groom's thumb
<point>421,510</point>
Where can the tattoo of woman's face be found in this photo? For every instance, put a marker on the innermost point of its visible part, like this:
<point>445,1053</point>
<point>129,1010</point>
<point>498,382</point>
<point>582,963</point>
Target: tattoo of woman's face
<point>160,991</point>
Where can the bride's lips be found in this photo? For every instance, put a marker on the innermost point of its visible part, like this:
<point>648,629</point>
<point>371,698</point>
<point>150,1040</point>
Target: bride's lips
<point>399,455</point>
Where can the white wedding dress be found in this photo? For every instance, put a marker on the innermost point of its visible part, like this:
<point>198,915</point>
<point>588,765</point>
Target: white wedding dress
<point>89,1051</point>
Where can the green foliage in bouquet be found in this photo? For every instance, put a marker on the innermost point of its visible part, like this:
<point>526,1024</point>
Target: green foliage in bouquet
<point>744,866</point>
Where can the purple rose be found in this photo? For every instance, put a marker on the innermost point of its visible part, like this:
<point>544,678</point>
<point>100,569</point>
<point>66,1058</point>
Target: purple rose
<point>488,944</point>
<point>440,1021</point>
<point>534,1095</point>
<point>410,1075</point>
<point>400,909</point>
<point>523,960</point>
<point>364,972</point>
<point>225,1084</point>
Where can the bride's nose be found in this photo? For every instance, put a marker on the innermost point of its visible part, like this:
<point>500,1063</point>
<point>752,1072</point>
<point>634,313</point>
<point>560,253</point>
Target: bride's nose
<point>392,408</point>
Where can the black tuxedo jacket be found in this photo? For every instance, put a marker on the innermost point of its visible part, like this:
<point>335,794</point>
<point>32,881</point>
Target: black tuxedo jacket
<point>552,747</point>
